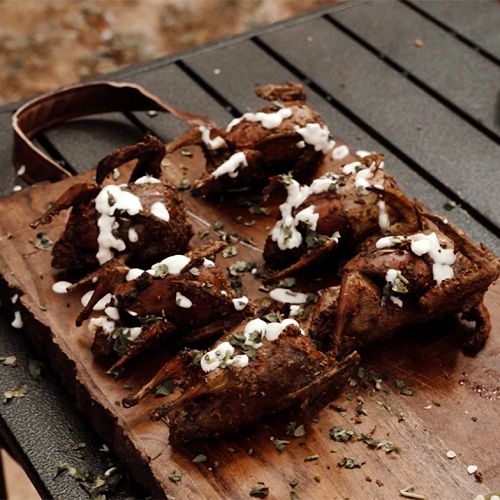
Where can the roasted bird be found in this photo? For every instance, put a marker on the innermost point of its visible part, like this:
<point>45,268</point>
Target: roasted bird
<point>285,136</point>
<point>335,212</point>
<point>256,369</point>
<point>183,298</point>
<point>143,220</point>
<point>406,279</point>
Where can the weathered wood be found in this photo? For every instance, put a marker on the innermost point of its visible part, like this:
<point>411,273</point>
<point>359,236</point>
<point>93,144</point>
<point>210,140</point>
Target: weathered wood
<point>393,28</point>
<point>415,123</point>
<point>477,22</point>
<point>258,68</point>
<point>435,370</point>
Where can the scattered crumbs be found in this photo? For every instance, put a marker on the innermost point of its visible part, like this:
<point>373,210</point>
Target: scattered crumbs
<point>299,431</point>
<point>478,476</point>
<point>260,491</point>
<point>35,368</point>
<point>152,113</point>
<point>419,43</point>
<point>165,388</point>
<point>229,251</point>
<point>183,185</point>
<point>9,361</point>
<point>309,38</point>
<point>186,152</point>
<point>450,205</point>
<point>428,407</point>
<point>451,454</point>
<point>17,188</point>
<point>368,479</point>
<point>471,469</point>
<point>409,492</point>
<point>279,444</point>
<point>216,71</point>
<point>17,392</point>
<point>338,409</point>
<point>175,476</point>
<point>474,419</point>
<point>42,308</point>
<point>250,452</point>
<point>350,463</point>
<point>104,448</point>
<point>78,446</point>
<point>293,495</point>
<point>43,242</point>
<point>379,483</point>
<point>199,459</point>
<point>419,126</point>
<point>293,482</point>
<point>436,403</point>
<point>311,458</point>
<point>401,418</point>
<point>317,479</point>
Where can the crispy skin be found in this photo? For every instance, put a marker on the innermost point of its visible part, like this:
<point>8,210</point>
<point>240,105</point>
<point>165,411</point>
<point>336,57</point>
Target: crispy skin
<point>358,317</point>
<point>289,372</point>
<point>77,247</point>
<point>353,215</point>
<point>268,151</point>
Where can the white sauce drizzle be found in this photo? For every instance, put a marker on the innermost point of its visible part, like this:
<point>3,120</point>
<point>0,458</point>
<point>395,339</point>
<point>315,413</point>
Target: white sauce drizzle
<point>317,136</point>
<point>103,302</point>
<point>383,217</point>
<point>61,286</point>
<point>361,153</point>
<point>340,152</point>
<point>86,298</point>
<point>267,120</point>
<point>231,165</point>
<point>14,298</point>
<point>363,174</point>
<point>22,170</point>
<point>422,244</point>
<point>256,330</point>
<point>147,179</point>
<point>182,301</point>
<point>158,209</point>
<point>216,143</point>
<point>285,232</point>
<point>171,265</point>
<point>286,296</point>
<point>240,302</point>
<point>110,199</point>
<point>132,235</point>
<point>112,313</point>
<point>396,300</point>
<point>134,273</point>
<point>17,322</point>
<point>295,310</point>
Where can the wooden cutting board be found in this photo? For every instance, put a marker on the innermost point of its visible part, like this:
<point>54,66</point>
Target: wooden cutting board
<point>455,403</point>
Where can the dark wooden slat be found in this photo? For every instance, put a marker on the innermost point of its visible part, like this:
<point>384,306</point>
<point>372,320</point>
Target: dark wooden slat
<point>171,84</point>
<point>254,67</point>
<point>456,155</point>
<point>43,428</point>
<point>479,21</point>
<point>82,143</point>
<point>453,70</point>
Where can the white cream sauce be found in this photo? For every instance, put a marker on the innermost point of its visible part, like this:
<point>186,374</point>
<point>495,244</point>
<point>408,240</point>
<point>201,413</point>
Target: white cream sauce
<point>340,152</point>
<point>286,296</point>
<point>158,209</point>
<point>216,143</point>
<point>17,322</point>
<point>285,232</point>
<point>421,243</point>
<point>267,120</point>
<point>317,136</point>
<point>383,217</point>
<point>183,301</point>
<point>147,179</point>
<point>231,165</point>
<point>61,286</point>
<point>132,235</point>
<point>108,201</point>
<point>240,302</point>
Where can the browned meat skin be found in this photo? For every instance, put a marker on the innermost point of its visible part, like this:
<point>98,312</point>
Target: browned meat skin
<point>344,210</point>
<point>77,247</point>
<point>358,318</point>
<point>149,154</point>
<point>211,314</point>
<point>289,372</point>
<point>268,151</point>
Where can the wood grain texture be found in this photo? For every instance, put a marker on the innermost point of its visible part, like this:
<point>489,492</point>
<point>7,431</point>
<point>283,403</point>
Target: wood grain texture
<point>428,360</point>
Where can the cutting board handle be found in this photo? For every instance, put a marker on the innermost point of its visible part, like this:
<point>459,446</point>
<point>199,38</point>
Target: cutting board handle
<point>78,101</point>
